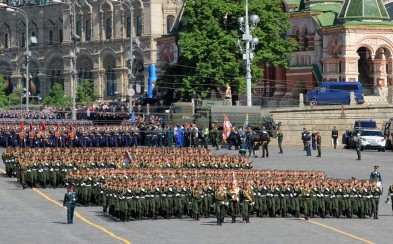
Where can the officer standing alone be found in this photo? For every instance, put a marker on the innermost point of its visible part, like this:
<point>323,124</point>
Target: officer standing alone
<point>319,143</point>
<point>70,202</point>
<point>280,138</point>
<point>358,146</point>
<point>376,175</point>
<point>334,136</point>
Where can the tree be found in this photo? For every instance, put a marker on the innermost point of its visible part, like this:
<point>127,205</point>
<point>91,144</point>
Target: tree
<point>209,58</point>
<point>85,92</point>
<point>15,96</point>
<point>57,98</point>
<point>3,96</point>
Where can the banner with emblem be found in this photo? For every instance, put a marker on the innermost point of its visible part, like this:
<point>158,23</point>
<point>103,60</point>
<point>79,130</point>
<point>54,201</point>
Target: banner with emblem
<point>226,128</point>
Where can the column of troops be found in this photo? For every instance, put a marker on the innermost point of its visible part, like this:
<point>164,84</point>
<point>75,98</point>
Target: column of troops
<point>167,193</point>
<point>189,182</point>
<point>42,167</point>
<point>52,133</point>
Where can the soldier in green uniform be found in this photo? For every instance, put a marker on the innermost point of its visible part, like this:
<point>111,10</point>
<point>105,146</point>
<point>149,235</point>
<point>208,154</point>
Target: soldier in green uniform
<point>376,192</point>
<point>215,138</point>
<point>220,199</point>
<point>358,142</point>
<point>306,194</point>
<point>22,173</point>
<point>197,195</point>
<point>247,202</point>
<point>280,138</point>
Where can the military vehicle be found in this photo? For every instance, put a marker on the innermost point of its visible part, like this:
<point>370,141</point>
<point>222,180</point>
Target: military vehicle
<point>206,112</point>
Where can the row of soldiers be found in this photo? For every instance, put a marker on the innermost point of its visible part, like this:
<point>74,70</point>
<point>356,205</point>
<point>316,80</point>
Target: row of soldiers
<point>33,167</point>
<point>69,136</point>
<point>16,152</point>
<point>176,193</point>
<point>94,136</point>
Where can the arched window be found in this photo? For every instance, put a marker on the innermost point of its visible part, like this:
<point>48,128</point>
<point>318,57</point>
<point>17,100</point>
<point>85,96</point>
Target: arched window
<point>6,45</point>
<point>51,37</point>
<point>108,28</point>
<point>170,20</point>
<point>306,40</point>
<point>23,40</point>
<point>88,30</point>
<point>298,41</point>
<point>139,26</point>
<point>78,28</point>
<point>61,36</point>
<point>128,32</point>
<point>111,86</point>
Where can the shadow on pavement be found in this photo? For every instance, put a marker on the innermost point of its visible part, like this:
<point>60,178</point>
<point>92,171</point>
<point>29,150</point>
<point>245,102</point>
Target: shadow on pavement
<point>58,222</point>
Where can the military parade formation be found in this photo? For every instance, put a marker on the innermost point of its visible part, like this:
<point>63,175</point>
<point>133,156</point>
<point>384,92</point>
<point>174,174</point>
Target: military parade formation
<point>151,183</point>
<point>145,131</point>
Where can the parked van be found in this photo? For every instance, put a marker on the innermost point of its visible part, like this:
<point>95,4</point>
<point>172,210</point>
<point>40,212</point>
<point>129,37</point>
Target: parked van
<point>335,93</point>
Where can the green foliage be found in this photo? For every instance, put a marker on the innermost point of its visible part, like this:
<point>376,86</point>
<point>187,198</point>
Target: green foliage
<point>3,97</point>
<point>209,57</point>
<point>85,92</point>
<point>57,98</point>
<point>15,96</point>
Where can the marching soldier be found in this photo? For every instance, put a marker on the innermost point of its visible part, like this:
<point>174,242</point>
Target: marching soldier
<point>247,202</point>
<point>306,194</point>
<point>220,199</point>
<point>234,193</point>
<point>376,192</point>
<point>197,195</point>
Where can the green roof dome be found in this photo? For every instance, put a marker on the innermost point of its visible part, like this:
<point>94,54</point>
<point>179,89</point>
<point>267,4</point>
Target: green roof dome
<point>363,10</point>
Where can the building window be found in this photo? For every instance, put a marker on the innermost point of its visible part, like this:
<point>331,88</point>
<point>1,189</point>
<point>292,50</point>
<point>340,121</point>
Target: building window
<point>170,20</point>
<point>108,28</point>
<point>88,30</point>
<point>56,77</point>
<point>110,82</point>
<point>60,36</point>
<point>139,26</point>
<point>50,37</point>
<point>23,40</point>
<point>128,26</point>
<point>78,28</point>
<point>6,40</point>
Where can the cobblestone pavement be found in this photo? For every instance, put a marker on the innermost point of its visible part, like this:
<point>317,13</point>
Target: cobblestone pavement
<point>27,216</point>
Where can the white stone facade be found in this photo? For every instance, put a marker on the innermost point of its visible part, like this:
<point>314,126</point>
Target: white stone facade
<point>104,28</point>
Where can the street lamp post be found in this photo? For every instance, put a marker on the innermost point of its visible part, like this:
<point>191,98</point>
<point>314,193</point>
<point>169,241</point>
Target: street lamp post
<point>28,53</point>
<point>130,56</point>
<point>73,55</point>
<point>246,26</point>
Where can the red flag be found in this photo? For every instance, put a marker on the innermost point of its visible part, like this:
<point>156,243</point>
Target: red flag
<point>227,127</point>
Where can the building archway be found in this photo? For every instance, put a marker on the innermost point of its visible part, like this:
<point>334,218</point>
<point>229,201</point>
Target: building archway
<point>6,72</point>
<point>110,76</point>
<point>364,69</point>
